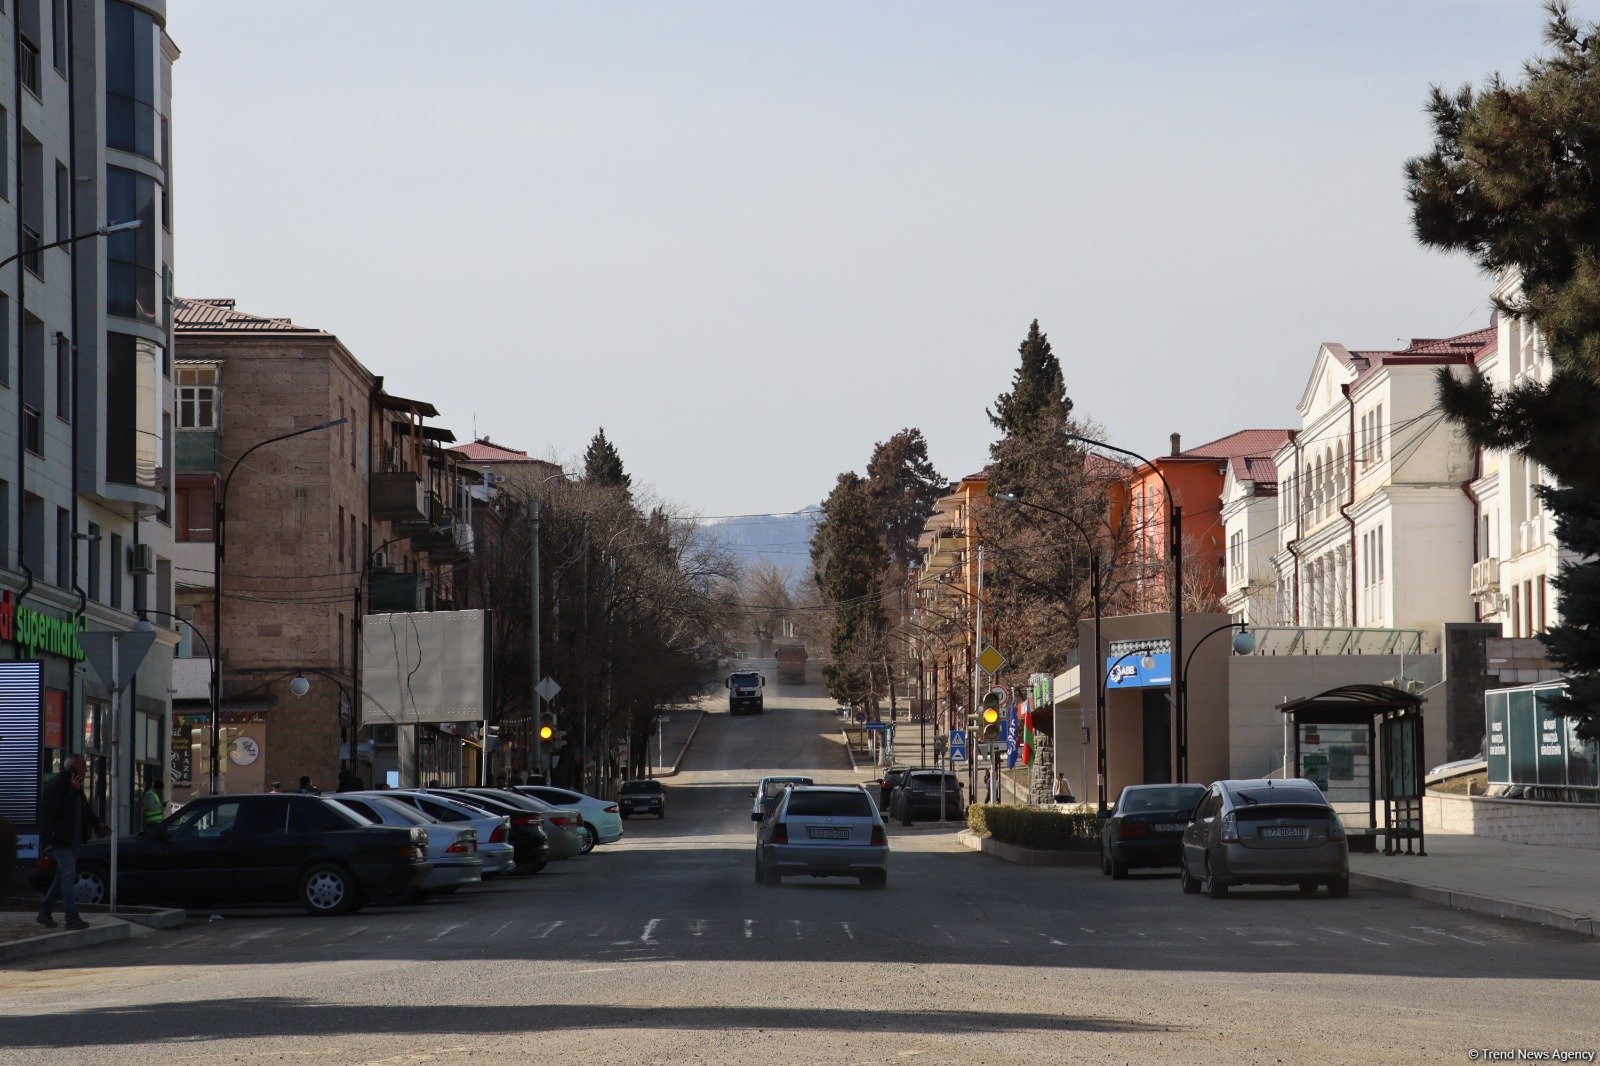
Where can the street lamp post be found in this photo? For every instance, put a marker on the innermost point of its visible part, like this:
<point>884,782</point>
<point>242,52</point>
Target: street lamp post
<point>1101,683</point>
<point>1180,765</point>
<point>103,231</point>
<point>220,518</point>
<point>215,666</point>
<point>1244,642</point>
<point>1094,595</point>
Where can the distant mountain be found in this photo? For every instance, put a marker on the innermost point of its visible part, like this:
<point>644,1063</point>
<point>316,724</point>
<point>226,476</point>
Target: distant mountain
<point>784,540</point>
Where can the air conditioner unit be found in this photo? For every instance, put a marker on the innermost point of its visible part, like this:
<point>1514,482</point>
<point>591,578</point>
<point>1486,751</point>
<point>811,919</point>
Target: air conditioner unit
<point>384,735</point>
<point>380,559</point>
<point>141,559</point>
<point>391,456</point>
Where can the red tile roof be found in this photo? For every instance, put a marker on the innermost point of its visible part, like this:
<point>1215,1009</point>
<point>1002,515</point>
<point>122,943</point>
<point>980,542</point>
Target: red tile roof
<point>1246,442</point>
<point>191,313</point>
<point>483,450</point>
<point>1431,351</point>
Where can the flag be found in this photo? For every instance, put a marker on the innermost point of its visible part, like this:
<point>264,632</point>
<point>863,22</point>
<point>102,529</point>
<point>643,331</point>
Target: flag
<point>1027,732</point>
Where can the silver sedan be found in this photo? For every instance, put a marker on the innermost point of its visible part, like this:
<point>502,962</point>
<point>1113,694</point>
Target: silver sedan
<point>822,831</point>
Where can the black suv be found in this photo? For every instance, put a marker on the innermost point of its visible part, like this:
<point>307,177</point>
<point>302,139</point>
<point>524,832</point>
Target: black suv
<point>262,849</point>
<point>642,797</point>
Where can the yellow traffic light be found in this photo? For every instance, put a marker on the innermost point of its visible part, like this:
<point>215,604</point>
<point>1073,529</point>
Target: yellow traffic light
<point>545,732</point>
<point>990,716</point>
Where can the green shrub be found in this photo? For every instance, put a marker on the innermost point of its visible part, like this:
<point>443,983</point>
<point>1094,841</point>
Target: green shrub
<point>1036,827</point>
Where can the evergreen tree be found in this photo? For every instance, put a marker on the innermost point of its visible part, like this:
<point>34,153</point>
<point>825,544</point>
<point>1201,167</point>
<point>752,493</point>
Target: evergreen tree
<point>904,487</point>
<point>602,465</point>
<point>1512,181</point>
<point>847,553</point>
<point>1038,388</point>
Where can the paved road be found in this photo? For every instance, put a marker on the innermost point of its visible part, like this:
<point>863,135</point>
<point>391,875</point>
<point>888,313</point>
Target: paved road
<point>662,948</point>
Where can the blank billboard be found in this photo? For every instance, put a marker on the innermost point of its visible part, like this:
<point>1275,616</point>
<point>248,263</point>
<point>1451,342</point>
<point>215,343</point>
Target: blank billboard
<point>427,666</point>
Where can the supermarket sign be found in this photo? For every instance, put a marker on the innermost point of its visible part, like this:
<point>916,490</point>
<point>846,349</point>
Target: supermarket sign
<point>35,632</point>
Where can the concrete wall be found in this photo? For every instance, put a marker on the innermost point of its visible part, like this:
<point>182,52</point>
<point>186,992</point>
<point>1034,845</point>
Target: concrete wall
<point>1565,825</point>
<point>1257,684</point>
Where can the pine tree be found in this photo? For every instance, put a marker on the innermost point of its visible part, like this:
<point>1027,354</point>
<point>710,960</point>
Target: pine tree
<point>1038,388</point>
<point>602,465</point>
<point>847,553</point>
<point>1511,181</point>
<point>904,486</point>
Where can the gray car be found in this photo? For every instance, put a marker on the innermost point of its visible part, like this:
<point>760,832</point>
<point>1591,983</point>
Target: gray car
<point>823,831</point>
<point>1265,832</point>
<point>453,849</point>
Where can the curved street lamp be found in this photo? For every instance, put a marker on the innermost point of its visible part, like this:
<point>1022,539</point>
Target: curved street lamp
<point>1102,681</point>
<point>1244,642</point>
<point>1180,767</point>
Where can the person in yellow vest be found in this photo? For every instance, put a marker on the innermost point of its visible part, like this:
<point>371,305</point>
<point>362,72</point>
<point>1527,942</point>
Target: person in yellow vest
<point>154,809</point>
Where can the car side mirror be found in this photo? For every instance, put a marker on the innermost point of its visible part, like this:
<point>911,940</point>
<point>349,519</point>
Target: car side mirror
<point>885,818</point>
<point>752,795</point>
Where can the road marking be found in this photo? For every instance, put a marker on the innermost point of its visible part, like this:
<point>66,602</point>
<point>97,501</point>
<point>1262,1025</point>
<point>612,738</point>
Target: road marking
<point>847,931</point>
<point>1085,928</point>
<point>649,930</point>
<point>551,929</point>
<point>797,930</point>
<point>502,929</point>
<point>1402,936</point>
<point>1052,940</point>
<point>699,927</point>
<point>1357,936</point>
<point>603,927</point>
<point>1441,932</point>
<point>946,932</point>
<point>749,928</point>
<point>446,931</point>
<point>257,935</point>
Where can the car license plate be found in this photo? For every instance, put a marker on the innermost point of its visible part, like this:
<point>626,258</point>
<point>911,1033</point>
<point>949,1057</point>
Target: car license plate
<point>1284,832</point>
<point>1171,827</point>
<point>828,834</point>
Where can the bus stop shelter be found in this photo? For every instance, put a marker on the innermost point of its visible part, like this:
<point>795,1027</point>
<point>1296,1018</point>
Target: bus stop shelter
<point>1362,746</point>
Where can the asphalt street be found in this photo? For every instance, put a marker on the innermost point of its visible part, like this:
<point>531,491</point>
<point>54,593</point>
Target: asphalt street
<point>662,948</point>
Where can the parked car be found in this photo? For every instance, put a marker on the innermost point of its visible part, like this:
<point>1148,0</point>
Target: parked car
<point>453,849</point>
<point>643,797</point>
<point>917,796</point>
<point>562,828</point>
<point>1265,832</point>
<point>494,831</point>
<point>1146,827</point>
<point>524,832</point>
<point>767,792</point>
<point>602,818</point>
<point>888,783</point>
<point>823,831</point>
<point>259,849</point>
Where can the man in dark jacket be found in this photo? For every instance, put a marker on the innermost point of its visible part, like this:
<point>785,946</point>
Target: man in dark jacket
<point>65,822</point>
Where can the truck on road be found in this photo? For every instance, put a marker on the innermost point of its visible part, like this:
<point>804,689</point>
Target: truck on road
<point>791,664</point>
<point>744,692</point>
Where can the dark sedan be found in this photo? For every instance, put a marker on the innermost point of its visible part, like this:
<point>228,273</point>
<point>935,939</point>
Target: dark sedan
<point>643,797</point>
<point>918,796</point>
<point>1146,827</point>
<point>268,849</point>
<point>527,837</point>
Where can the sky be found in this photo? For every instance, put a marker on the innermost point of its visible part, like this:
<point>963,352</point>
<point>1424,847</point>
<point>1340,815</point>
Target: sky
<point>753,239</point>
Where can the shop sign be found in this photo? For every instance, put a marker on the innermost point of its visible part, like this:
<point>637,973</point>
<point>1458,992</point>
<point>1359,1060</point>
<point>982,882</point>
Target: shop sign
<point>1130,671</point>
<point>33,631</point>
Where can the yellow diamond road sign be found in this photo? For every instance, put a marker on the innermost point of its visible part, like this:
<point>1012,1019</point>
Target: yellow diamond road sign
<point>990,660</point>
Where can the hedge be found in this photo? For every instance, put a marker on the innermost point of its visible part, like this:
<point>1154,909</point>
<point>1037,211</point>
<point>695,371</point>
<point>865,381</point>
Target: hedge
<point>1036,827</point>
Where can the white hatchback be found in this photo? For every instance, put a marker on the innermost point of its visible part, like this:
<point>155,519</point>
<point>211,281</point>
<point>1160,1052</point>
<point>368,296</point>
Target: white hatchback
<point>602,819</point>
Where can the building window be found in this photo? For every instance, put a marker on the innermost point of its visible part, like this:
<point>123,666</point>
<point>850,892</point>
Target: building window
<point>1540,619</point>
<point>33,384</point>
<point>63,548</point>
<point>197,397</point>
<point>58,35</point>
<point>115,599</point>
<point>1516,610</point>
<point>92,544</point>
<point>131,55</point>
<point>63,377</point>
<point>33,534</point>
<point>338,533</point>
<point>131,272</point>
<point>5,155</point>
<point>5,525</point>
<point>354,542</point>
<point>63,206</point>
<point>196,513</point>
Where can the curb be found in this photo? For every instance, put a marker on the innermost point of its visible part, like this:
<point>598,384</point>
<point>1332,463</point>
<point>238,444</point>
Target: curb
<point>1478,904</point>
<point>678,762</point>
<point>1025,856</point>
<point>849,754</point>
<point>65,940</point>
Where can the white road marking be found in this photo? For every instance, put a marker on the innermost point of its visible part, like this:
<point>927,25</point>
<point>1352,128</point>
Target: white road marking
<point>699,927</point>
<point>749,928</point>
<point>1085,928</point>
<point>648,937</point>
<point>946,932</point>
<point>257,935</point>
<point>1052,940</point>
<point>1273,943</point>
<point>502,929</point>
<point>1441,932</point>
<point>1356,936</point>
<point>603,927</point>
<point>446,931</point>
<point>797,930</point>
<point>553,926</point>
<point>847,931</point>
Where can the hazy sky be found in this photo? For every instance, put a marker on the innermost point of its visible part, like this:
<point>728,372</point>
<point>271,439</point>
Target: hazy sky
<point>751,239</point>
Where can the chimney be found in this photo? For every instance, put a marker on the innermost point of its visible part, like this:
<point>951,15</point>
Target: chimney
<point>1177,445</point>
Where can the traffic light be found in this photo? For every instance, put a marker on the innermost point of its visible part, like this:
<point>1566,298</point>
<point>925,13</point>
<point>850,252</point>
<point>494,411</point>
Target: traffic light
<point>990,714</point>
<point>547,727</point>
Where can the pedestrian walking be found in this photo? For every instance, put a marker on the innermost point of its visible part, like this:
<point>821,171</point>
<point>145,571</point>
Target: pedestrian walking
<point>307,788</point>
<point>65,822</point>
<point>153,807</point>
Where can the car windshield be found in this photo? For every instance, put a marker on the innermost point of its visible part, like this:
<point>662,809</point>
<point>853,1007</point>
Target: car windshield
<point>410,814</point>
<point>641,786</point>
<point>833,804</point>
<point>775,786</point>
<point>1177,798</point>
<point>1253,796</point>
<point>932,780</point>
<point>746,680</point>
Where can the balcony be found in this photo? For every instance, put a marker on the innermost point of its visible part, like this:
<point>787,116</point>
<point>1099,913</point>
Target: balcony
<point>1486,577</point>
<point>449,543</point>
<point>399,496</point>
<point>948,549</point>
<point>195,451</point>
<point>396,592</point>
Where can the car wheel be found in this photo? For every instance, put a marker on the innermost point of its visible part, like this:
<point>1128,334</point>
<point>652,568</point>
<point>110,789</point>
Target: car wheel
<point>1339,889</point>
<point>624,816</point>
<point>905,817</point>
<point>1119,869</point>
<point>770,877</point>
<point>590,837</point>
<point>531,868</point>
<point>1215,886</point>
<point>661,815</point>
<point>93,885</point>
<point>327,889</point>
<point>1308,888</point>
<point>1191,885</point>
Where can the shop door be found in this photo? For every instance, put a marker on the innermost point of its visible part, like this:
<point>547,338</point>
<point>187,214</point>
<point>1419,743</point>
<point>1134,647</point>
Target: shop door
<point>1157,736</point>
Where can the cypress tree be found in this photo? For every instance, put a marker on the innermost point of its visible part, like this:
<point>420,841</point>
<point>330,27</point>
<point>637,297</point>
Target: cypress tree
<point>602,464</point>
<point>1038,388</point>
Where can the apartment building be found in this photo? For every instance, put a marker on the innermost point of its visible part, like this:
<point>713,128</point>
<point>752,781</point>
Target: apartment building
<point>1374,518</point>
<point>1250,524</point>
<point>85,361</point>
<point>323,524</point>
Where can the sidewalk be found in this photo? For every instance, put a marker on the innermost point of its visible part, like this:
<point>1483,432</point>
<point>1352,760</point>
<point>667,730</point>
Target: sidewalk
<point>676,733</point>
<point>21,937</point>
<point>1558,887</point>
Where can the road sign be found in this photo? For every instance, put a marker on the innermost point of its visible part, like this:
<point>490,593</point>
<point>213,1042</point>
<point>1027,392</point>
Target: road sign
<point>132,646</point>
<point>990,661</point>
<point>990,748</point>
<point>861,716</point>
<point>958,743</point>
<point>876,725</point>
<point>547,689</point>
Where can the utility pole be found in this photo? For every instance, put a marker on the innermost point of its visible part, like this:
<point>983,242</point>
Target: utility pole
<point>977,687</point>
<point>537,671</point>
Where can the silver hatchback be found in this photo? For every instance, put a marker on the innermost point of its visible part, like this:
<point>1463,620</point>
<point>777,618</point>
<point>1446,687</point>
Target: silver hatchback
<point>822,831</point>
<point>1265,832</point>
